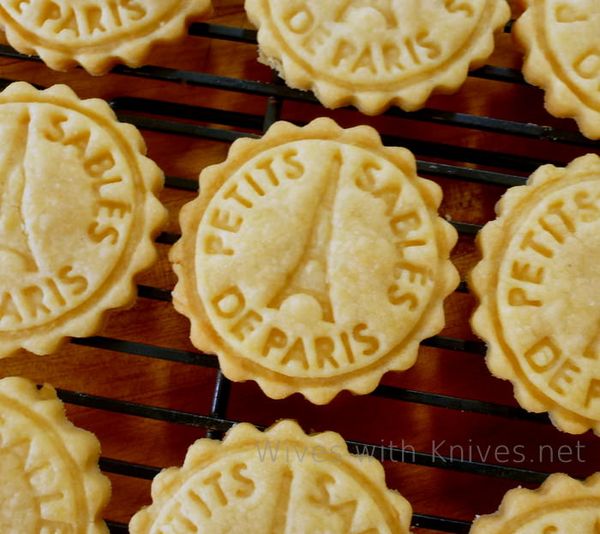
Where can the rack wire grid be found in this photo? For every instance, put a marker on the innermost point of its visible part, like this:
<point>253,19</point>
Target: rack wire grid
<point>478,158</point>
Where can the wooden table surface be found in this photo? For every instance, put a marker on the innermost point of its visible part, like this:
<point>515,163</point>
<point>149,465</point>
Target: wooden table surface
<point>371,419</point>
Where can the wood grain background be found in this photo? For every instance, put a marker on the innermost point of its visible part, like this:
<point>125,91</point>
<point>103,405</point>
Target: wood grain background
<point>370,419</point>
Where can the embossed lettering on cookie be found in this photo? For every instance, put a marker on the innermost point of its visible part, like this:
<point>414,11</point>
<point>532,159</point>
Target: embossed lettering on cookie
<point>280,480</point>
<point>539,290</point>
<point>314,260</point>
<point>78,216</point>
<point>561,39</point>
<point>96,34</point>
<point>51,482</point>
<point>376,53</point>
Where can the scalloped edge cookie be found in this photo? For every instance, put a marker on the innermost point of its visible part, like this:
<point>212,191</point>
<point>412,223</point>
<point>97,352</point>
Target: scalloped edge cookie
<point>99,60</point>
<point>530,398</point>
<point>409,98</point>
<point>519,504</point>
<point>167,483</point>
<point>560,101</point>
<point>122,294</point>
<point>82,446</point>
<point>235,366</point>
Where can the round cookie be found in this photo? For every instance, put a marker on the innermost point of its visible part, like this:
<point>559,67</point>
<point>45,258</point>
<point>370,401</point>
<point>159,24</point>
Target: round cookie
<point>560,38</point>
<point>96,34</point>
<point>376,53</point>
<point>78,216</point>
<point>539,290</point>
<point>561,505</point>
<point>278,481</point>
<point>314,260</point>
<point>50,476</point>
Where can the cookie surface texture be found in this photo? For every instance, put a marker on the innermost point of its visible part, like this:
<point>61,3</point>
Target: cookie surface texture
<point>50,476</point>
<point>538,285</point>
<point>376,53</point>
<point>96,34</point>
<point>561,39</point>
<point>278,481</point>
<point>314,260</point>
<point>78,216</point>
<point>562,505</point>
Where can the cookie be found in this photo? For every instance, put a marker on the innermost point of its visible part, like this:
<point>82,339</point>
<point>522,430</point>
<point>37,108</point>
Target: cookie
<point>278,481</point>
<point>539,290</point>
<point>561,505</point>
<point>376,53</point>
<point>560,38</point>
<point>50,476</point>
<point>314,260</point>
<point>78,216</point>
<point>96,34</point>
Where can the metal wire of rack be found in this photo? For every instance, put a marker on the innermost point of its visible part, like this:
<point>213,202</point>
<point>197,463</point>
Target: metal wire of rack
<point>164,119</point>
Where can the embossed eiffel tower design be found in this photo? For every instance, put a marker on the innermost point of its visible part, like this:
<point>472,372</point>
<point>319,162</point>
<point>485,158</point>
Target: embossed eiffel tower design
<point>14,242</point>
<point>309,277</point>
<point>384,7</point>
<point>280,511</point>
<point>592,350</point>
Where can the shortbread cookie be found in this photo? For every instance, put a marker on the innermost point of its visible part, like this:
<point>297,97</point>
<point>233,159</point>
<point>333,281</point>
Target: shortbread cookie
<point>278,481</point>
<point>78,216</point>
<point>375,53</point>
<point>96,34</point>
<point>562,43</point>
<point>539,290</point>
<point>561,505</point>
<point>314,260</point>
<point>50,481</point>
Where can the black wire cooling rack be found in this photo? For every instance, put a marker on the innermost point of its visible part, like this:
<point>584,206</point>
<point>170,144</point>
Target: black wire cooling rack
<point>166,119</point>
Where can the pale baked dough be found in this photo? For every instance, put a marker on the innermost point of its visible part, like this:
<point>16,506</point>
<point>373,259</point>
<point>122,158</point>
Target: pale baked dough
<point>50,481</point>
<point>539,290</point>
<point>314,260</point>
<point>561,39</point>
<point>96,34</point>
<point>376,53</point>
<point>78,216</point>
<point>561,505</point>
<point>278,481</point>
